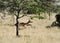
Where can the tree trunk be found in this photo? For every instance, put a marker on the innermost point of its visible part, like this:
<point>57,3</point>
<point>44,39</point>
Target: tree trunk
<point>17,22</point>
<point>39,15</point>
<point>45,15</point>
<point>17,26</point>
<point>49,15</point>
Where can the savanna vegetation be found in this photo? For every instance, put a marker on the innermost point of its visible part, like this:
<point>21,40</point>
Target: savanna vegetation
<point>14,7</point>
<point>33,20</point>
<point>36,7</point>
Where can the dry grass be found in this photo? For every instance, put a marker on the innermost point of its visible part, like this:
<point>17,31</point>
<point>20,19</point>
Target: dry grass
<point>38,33</point>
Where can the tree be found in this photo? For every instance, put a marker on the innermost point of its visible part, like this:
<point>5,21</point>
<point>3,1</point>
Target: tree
<point>48,6</point>
<point>38,6</point>
<point>45,6</point>
<point>16,6</point>
<point>13,6</point>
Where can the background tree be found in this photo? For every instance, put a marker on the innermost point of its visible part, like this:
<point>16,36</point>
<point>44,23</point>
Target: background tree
<point>12,6</point>
<point>45,6</point>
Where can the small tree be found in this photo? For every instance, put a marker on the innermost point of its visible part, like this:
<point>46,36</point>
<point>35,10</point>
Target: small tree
<point>16,6</point>
<point>12,7</point>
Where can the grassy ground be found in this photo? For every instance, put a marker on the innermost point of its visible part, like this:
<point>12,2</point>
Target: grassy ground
<point>38,33</point>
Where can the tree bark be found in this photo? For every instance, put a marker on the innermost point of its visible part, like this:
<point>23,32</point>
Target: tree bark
<point>16,26</point>
<point>49,15</point>
<point>39,15</point>
<point>17,22</point>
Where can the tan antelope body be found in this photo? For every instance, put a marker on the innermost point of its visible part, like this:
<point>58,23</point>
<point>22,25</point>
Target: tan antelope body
<point>24,21</point>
